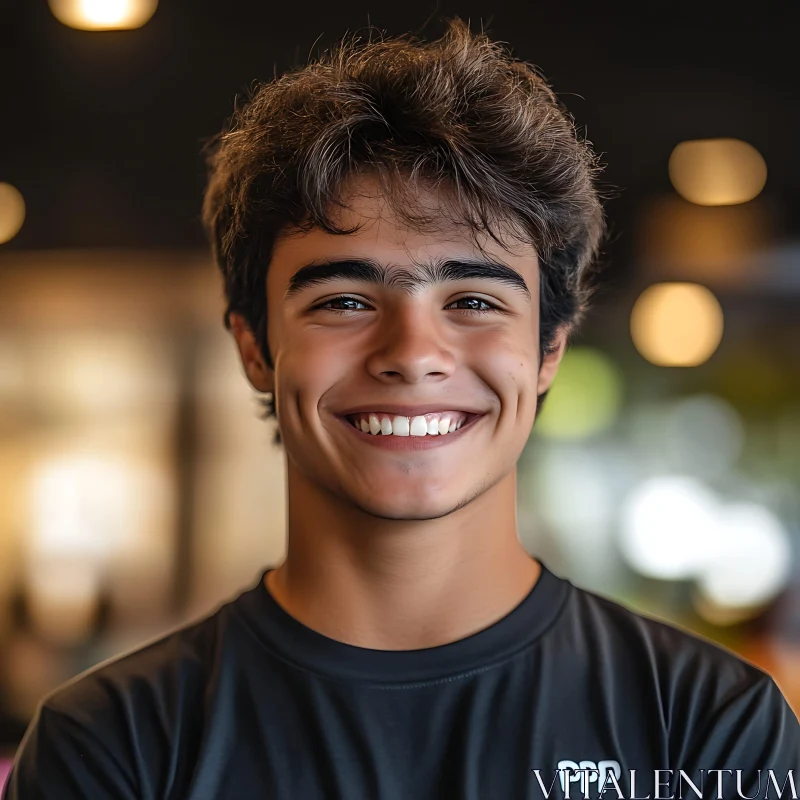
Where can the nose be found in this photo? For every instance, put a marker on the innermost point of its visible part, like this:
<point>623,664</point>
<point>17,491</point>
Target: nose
<point>410,346</point>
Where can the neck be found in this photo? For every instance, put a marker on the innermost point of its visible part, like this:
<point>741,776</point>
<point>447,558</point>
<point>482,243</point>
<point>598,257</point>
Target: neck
<point>401,584</point>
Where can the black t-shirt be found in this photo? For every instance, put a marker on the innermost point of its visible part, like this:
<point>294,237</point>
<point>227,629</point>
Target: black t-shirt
<point>250,703</point>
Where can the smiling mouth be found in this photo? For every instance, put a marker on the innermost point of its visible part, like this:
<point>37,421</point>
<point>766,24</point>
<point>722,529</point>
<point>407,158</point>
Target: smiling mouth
<point>440,423</point>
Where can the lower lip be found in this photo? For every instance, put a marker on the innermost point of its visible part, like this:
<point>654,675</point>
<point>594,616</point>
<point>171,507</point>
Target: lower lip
<point>410,442</point>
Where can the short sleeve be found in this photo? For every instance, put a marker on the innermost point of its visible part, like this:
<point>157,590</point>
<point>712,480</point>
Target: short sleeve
<point>752,737</point>
<point>58,758</point>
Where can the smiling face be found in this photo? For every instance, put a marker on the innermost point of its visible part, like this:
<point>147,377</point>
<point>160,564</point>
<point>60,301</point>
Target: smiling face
<point>392,330</point>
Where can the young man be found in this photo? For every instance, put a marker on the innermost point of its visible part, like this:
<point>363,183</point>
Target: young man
<point>406,232</point>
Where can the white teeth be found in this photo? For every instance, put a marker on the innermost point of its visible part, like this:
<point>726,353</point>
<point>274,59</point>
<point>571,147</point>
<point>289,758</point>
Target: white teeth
<point>400,426</point>
<point>419,426</point>
<point>437,424</point>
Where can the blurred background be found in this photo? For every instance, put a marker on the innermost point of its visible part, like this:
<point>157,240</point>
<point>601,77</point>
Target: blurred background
<point>139,489</point>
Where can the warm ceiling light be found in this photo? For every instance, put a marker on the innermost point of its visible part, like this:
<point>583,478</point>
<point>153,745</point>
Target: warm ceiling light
<point>103,15</point>
<point>717,172</point>
<point>12,212</point>
<point>676,324</point>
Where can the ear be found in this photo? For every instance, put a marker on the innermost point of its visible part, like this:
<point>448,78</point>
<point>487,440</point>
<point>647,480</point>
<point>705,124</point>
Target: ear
<point>549,366</point>
<point>261,377</point>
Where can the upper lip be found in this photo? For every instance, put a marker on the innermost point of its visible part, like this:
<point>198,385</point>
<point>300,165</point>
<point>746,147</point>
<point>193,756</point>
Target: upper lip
<point>406,411</point>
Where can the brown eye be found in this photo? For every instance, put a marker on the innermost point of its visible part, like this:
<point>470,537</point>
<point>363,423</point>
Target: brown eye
<point>474,304</point>
<point>340,304</point>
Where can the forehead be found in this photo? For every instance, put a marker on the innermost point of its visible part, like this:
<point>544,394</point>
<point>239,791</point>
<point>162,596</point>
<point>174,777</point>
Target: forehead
<point>384,237</point>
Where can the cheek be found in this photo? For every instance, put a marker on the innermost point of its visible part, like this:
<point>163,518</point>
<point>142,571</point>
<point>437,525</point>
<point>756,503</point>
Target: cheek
<point>308,367</point>
<point>507,363</point>
<point>302,368</point>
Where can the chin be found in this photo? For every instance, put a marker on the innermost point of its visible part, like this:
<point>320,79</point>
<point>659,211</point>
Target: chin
<point>405,509</point>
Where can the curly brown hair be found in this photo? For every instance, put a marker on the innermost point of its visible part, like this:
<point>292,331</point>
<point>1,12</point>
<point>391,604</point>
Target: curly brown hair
<point>459,114</point>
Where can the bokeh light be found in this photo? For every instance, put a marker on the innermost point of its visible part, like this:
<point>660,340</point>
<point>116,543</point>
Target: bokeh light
<point>669,527</point>
<point>703,434</point>
<point>12,212</point>
<point>585,397</point>
<point>103,15</point>
<point>677,324</point>
<point>739,554</point>
<point>754,560</point>
<point>82,504</point>
<point>85,507</point>
<point>717,172</point>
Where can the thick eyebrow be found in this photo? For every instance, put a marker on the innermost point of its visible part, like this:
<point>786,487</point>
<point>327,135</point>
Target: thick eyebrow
<point>366,270</point>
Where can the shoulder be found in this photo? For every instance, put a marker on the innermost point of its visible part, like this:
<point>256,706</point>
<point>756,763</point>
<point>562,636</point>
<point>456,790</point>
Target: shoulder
<point>698,688</point>
<point>163,674</point>
<point>155,671</point>
<point>628,636</point>
<point>128,721</point>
